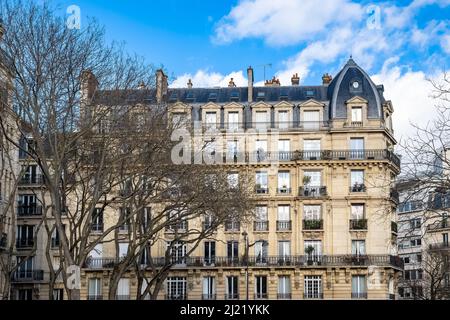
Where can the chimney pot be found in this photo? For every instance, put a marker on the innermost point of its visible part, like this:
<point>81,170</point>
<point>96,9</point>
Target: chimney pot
<point>250,83</point>
<point>326,79</point>
<point>295,80</point>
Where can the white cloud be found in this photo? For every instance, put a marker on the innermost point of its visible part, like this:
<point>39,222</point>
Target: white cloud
<point>445,43</point>
<point>410,93</point>
<point>284,22</point>
<point>205,79</point>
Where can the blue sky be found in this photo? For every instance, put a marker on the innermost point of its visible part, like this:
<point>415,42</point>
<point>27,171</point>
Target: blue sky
<point>401,44</point>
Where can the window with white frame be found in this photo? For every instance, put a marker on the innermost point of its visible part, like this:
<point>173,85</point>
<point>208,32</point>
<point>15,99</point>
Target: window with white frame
<point>284,249</point>
<point>176,288</point>
<point>358,247</point>
<point>284,181</point>
<point>357,211</point>
<point>357,180</point>
<point>284,148</point>
<point>356,114</point>
<point>123,289</point>
<point>233,120</point>
<point>357,148</point>
<point>261,251</point>
<point>211,120</point>
<point>284,287</point>
<point>261,182</point>
<point>262,119</point>
<point>209,288</point>
<point>313,249</point>
<point>94,289</point>
<point>313,287</point>
<point>311,148</point>
<point>233,179</point>
<point>283,119</point>
<point>283,213</point>
<point>232,149</point>
<point>177,250</point>
<point>260,287</point>
<point>232,287</point>
<point>260,149</point>
<point>359,286</point>
<point>123,249</point>
<point>311,120</point>
<point>312,212</point>
<point>210,252</point>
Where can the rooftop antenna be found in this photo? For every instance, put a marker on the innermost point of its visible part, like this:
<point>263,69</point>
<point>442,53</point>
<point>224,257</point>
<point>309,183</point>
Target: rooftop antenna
<point>264,68</point>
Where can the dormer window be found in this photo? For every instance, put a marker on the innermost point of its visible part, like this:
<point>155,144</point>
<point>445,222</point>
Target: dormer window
<point>284,95</point>
<point>212,96</point>
<point>234,96</point>
<point>190,96</point>
<point>309,93</point>
<point>356,115</point>
<point>261,95</point>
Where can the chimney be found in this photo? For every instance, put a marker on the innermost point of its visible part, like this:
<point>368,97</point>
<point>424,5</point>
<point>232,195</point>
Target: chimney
<point>161,85</point>
<point>189,84</point>
<point>231,84</point>
<point>2,30</point>
<point>272,83</point>
<point>142,85</point>
<point>295,80</point>
<point>89,85</point>
<point>326,79</point>
<point>250,83</point>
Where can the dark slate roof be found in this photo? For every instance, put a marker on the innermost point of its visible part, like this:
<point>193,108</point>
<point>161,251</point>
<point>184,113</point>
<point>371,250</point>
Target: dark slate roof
<point>340,90</point>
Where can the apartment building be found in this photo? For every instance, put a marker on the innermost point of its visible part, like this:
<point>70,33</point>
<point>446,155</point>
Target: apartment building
<point>323,166</point>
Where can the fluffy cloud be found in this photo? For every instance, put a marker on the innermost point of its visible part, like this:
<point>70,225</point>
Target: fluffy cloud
<point>410,93</point>
<point>445,43</point>
<point>204,79</point>
<point>284,22</point>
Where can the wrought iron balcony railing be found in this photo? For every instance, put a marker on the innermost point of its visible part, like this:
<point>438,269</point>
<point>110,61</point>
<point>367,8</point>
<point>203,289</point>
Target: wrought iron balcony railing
<point>24,243</point>
<point>284,296</point>
<point>176,296</point>
<point>231,296</point>
<point>284,225</point>
<point>28,275</point>
<point>261,295</point>
<point>313,295</point>
<point>94,297</point>
<point>208,296</point>
<point>358,224</point>
<point>261,225</point>
<point>283,190</point>
<point>97,227</point>
<point>29,210</point>
<point>310,224</point>
<point>312,191</point>
<point>262,190</point>
<point>359,187</point>
<point>232,226</point>
<point>37,179</point>
<point>359,295</point>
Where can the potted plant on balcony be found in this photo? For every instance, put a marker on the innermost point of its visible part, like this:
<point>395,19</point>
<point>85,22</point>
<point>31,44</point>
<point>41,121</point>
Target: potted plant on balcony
<point>309,250</point>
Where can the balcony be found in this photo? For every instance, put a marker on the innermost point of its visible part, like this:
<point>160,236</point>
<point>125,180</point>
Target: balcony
<point>312,191</point>
<point>284,225</point>
<point>175,296</point>
<point>37,179</point>
<point>28,275</point>
<point>283,190</point>
<point>309,224</point>
<point>231,296</point>
<point>439,246</point>
<point>94,297</point>
<point>29,211</point>
<point>123,297</point>
<point>261,226</point>
<point>358,187</point>
<point>232,226</point>
<point>289,261</point>
<point>261,296</point>
<point>179,227</point>
<point>208,297</point>
<point>284,296</point>
<point>24,243</point>
<point>261,190</point>
<point>313,295</point>
<point>358,224</point>
<point>359,295</point>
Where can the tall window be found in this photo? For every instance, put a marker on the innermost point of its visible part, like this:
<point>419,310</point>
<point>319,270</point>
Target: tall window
<point>124,221</point>
<point>232,148</point>
<point>261,182</point>
<point>261,219</point>
<point>311,149</point>
<point>262,119</point>
<point>123,289</point>
<point>233,250</point>
<point>357,211</point>
<point>313,250</point>
<point>357,181</point>
<point>284,181</point>
<point>283,119</point>
<point>232,287</point>
<point>312,212</point>
<point>97,220</point>
<point>233,120</point>
<point>311,120</point>
<point>210,252</point>
<point>284,250</point>
<point>25,267</point>
<point>95,289</point>
<point>97,252</point>
<point>58,294</point>
<point>313,287</point>
<point>312,178</point>
<point>359,287</point>
<point>27,205</point>
<point>284,287</point>
<point>261,287</point>
<point>261,251</point>
<point>283,218</point>
<point>356,114</point>
<point>260,149</point>
<point>176,288</point>
<point>177,250</point>
<point>25,236</point>
<point>357,148</point>
<point>358,247</point>
<point>284,149</point>
<point>123,249</point>
<point>179,119</point>
<point>209,288</point>
<point>211,120</point>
